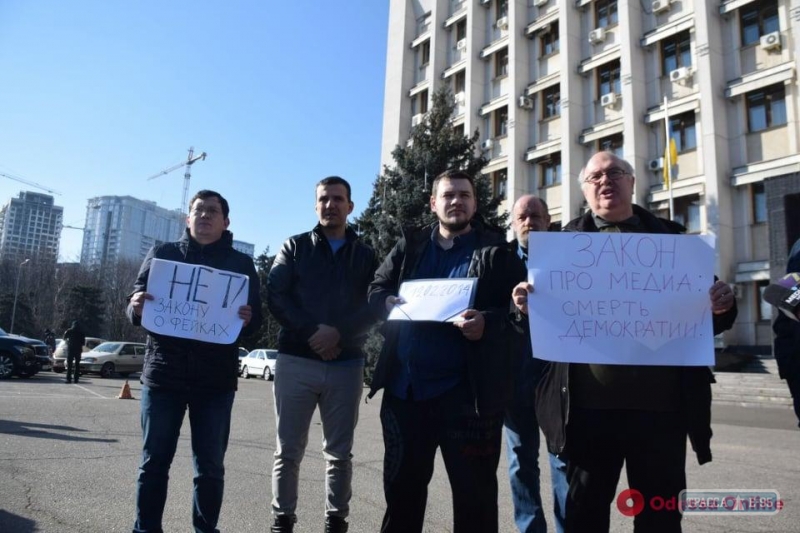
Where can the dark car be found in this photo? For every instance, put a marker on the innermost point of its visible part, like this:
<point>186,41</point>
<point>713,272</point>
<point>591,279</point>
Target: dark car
<point>17,357</point>
<point>43,359</point>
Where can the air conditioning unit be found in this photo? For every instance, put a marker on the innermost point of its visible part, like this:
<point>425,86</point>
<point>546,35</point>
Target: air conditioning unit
<point>597,35</point>
<point>487,145</point>
<point>608,99</point>
<point>659,6</point>
<point>525,102</point>
<point>502,23</point>
<point>539,3</point>
<point>416,120</point>
<point>461,45</point>
<point>680,74</point>
<point>771,41</point>
<point>656,164</point>
<point>460,97</point>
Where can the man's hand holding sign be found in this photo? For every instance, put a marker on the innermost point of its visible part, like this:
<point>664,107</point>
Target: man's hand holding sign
<point>193,302</point>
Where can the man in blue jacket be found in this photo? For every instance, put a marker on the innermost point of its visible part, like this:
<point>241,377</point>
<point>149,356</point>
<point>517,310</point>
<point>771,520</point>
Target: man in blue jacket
<point>318,293</point>
<point>181,374</point>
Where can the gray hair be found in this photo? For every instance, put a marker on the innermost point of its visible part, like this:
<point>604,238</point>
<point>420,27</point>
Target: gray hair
<point>627,167</point>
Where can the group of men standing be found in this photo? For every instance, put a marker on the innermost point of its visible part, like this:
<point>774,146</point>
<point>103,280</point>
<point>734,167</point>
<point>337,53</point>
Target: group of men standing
<point>448,386</point>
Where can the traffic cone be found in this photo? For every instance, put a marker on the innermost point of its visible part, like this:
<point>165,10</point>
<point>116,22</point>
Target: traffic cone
<point>125,393</point>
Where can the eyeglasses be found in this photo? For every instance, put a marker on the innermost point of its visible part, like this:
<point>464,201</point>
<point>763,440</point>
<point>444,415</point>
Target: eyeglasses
<point>612,174</point>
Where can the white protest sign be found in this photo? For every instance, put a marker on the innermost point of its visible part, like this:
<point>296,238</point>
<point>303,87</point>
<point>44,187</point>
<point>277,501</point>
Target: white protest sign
<point>434,300</point>
<point>194,302</point>
<point>621,298</point>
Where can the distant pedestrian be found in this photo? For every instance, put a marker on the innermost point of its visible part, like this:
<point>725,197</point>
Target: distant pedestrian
<point>75,339</point>
<point>50,340</point>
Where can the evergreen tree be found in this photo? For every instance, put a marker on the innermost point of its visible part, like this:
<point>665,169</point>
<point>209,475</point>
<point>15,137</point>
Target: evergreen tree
<point>86,305</point>
<point>267,335</point>
<point>401,196</point>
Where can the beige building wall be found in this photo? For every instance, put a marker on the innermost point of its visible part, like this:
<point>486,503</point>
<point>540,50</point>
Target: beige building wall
<point>549,82</point>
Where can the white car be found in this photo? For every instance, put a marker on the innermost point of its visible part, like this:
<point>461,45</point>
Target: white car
<point>258,363</point>
<point>124,358</point>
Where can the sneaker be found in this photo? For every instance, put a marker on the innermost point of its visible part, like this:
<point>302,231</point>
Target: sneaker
<point>335,524</point>
<point>283,523</point>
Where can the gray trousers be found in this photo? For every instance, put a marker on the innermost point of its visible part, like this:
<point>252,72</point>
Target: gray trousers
<point>300,386</point>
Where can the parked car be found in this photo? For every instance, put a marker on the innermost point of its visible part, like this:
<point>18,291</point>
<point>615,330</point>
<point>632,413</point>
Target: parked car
<point>60,355</point>
<point>123,358</point>
<point>17,357</point>
<point>258,363</point>
<point>42,351</point>
<point>242,353</point>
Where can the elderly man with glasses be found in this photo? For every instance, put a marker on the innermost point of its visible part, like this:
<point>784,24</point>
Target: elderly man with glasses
<point>607,415</point>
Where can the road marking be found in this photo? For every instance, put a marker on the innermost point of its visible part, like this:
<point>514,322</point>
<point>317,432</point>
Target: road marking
<point>89,390</point>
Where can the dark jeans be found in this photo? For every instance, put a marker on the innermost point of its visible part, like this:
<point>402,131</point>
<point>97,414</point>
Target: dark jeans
<point>794,388</point>
<point>73,365</point>
<point>470,446</point>
<point>653,447</point>
<point>210,422</point>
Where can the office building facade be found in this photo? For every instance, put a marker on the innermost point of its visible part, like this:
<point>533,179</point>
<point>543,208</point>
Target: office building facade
<point>30,228</point>
<point>549,82</point>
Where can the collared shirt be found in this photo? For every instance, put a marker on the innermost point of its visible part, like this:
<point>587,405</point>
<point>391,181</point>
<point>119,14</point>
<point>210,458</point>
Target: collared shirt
<point>431,354</point>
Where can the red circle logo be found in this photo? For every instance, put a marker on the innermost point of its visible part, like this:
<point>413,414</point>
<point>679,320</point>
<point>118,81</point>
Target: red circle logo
<point>630,502</point>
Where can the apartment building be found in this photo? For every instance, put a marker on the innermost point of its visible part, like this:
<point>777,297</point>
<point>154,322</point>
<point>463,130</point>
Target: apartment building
<point>30,227</point>
<point>549,82</point>
<point>123,227</point>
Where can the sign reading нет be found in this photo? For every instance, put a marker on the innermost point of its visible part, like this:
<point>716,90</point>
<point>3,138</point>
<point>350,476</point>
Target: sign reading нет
<point>194,302</point>
<point>621,298</point>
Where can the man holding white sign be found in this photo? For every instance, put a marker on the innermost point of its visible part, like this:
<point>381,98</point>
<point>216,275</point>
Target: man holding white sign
<point>605,415</point>
<point>191,361</point>
<point>446,383</point>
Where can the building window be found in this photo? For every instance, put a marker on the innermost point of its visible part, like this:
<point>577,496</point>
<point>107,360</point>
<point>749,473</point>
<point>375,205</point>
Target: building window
<point>501,63</point>
<point>551,102</point>
<point>759,202</point>
<point>549,39</point>
<point>459,129</point>
<point>550,171</point>
<point>758,19</point>
<point>764,309</point>
<point>605,13</point>
<point>683,131</point>
<point>461,30</point>
<point>766,108</point>
<point>501,122</point>
<point>676,52</point>
<point>687,212</point>
<point>502,8</point>
<point>460,82</point>
<point>608,78</point>
<point>419,103</point>
<point>500,183</point>
<point>425,54</point>
<point>611,144</point>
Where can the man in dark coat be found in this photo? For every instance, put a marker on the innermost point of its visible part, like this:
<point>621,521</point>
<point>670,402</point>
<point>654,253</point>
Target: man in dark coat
<point>446,384</point>
<point>787,339</point>
<point>607,415</point>
<point>183,374</point>
<point>75,339</point>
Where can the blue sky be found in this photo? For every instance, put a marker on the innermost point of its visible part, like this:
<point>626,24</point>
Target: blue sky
<point>98,95</point>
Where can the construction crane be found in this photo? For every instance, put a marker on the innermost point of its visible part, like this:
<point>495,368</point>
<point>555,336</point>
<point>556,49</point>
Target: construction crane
<point>190,160</point>
<point>31,183</point>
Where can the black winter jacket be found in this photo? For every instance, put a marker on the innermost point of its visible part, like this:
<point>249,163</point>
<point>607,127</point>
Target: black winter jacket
<point>489,362</point>
<point>787,331</point>
<point>552,395</point>
<point>183,364</point>
<point>308,285</point>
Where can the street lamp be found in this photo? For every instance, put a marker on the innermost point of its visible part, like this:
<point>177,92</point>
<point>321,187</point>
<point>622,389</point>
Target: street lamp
<point>16,294</point>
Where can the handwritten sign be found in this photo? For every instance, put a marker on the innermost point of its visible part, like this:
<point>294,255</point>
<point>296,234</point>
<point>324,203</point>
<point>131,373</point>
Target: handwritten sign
<point>621,298</point>
<point>434,300</point>
<point>194,302</point>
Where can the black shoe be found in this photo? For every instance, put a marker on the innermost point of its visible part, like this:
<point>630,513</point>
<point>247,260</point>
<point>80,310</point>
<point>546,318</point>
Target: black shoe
<point>68,381</point>
<point>283,523</point>
<point>335,524</point>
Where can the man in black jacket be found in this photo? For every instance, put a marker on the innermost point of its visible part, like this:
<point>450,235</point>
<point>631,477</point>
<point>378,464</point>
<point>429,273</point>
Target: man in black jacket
<point>318,293</point>
<point>181,374</point>
<point>787,339</point>
<point>604,415</point>
<point>446,384</point>
<point>75,339</point>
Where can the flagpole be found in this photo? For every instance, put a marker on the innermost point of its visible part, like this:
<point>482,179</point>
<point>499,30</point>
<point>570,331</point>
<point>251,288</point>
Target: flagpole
<point>668,158</point>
